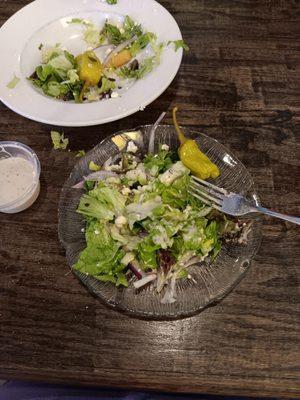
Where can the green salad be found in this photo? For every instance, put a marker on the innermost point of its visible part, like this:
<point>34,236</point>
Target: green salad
<point>143,225</point>
<point>117,55</point>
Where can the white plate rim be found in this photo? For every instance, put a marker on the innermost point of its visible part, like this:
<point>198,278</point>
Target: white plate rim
<point>38,12</point>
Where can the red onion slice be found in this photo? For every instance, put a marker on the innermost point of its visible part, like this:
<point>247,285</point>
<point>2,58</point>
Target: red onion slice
<point>95,176</point>
<point>152,133</point>
<point>142,282</point>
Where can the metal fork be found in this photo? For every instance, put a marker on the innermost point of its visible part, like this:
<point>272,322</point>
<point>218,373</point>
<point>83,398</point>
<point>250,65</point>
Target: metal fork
<point>230,203</point>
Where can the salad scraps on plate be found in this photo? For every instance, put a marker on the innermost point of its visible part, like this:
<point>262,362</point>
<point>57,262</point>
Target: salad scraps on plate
<point>143,227</point>
<point>130,53</point>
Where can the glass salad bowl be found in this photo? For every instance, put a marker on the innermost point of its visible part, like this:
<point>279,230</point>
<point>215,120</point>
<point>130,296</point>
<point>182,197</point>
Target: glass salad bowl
<point>212,280</point>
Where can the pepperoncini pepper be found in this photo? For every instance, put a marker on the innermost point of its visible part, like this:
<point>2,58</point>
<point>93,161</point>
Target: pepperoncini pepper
<point>192,157</point>
<point>90,70</point>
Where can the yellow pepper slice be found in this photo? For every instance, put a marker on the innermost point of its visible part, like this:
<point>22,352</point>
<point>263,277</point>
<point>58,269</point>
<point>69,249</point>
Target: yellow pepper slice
<point>192,157</point>
<point>90,70</point>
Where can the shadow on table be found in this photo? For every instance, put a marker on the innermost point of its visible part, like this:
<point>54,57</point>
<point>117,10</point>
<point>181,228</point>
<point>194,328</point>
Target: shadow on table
<point>13,390</point>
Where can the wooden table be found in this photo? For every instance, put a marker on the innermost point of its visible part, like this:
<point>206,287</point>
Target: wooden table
<point>239,83</point>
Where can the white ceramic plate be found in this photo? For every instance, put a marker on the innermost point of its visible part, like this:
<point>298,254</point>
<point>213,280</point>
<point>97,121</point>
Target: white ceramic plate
<point>44,21</point>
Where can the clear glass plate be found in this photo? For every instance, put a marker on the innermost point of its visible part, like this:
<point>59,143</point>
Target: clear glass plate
<point>213,281</point>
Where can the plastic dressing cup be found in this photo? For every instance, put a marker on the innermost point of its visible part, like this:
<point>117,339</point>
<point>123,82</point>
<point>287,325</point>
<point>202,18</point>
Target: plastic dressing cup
<point>19,177</point>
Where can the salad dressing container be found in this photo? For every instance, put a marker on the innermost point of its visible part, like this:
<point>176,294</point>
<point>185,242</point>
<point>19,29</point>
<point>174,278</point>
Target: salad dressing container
<point>19,177</point>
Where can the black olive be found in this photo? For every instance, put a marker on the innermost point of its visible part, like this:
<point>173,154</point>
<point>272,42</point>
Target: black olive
<point>134,65</point>
<point>33,76</point>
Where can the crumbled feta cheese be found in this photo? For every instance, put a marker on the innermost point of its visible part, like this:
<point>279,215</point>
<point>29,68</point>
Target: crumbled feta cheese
<point>133,165</point>
<point>114,167</point>
<point>137,175</point>
<point>97,232</point>
<point>82,230</point>
<point>120,221</point>
<point>113,179</point>
<point>132,148</point>
<point>125,191</point>
<point>176,171</point>
<point>114,95</point>
<point>165,147</point>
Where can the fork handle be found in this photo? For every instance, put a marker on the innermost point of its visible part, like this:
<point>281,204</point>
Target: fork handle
<point>263,210</point>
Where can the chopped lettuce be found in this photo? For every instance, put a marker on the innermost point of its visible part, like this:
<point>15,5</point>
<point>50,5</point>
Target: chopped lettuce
<point>131,28</point>
<point>72,76</point>
<point>89,206</point>
<point>95,92</point>
<point>58,76</point>
<point>179,44</point>
<point>160,237</point>
<point>157,49</point>
<point>51,52</point>
<point>13,83</point>
<point>80,153</point>
<point>44,72</point>
<point>141,42</point>
<point>59,141</point>
<point>212,239</point>
<point>107,85</point>
<point>76,21</point>
<point>103,203</point>
<point>93,36</point>
<point>147,254</point>
<point>93,166</point>
<point>147,217</point>
<point>136,175</point>
<point>113,34</point>
<point>102,256</point>
<point>117,36</point>
<point>175,195</point>
<point>62,63</point>
<point>145,67</point>
<point>158,163</point>
<point>139,211</point>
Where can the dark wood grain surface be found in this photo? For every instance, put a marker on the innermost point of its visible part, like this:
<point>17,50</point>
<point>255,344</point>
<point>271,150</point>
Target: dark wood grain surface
<point>240,83</point>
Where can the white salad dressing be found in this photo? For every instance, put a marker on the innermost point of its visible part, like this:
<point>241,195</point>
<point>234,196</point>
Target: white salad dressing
<point>17,175</point>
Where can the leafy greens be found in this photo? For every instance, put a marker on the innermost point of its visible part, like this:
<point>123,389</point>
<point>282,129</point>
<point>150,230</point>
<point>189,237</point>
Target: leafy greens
<point>145,216</point>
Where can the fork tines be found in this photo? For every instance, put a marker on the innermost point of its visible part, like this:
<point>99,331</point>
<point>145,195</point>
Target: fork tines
<point>207,192</point>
